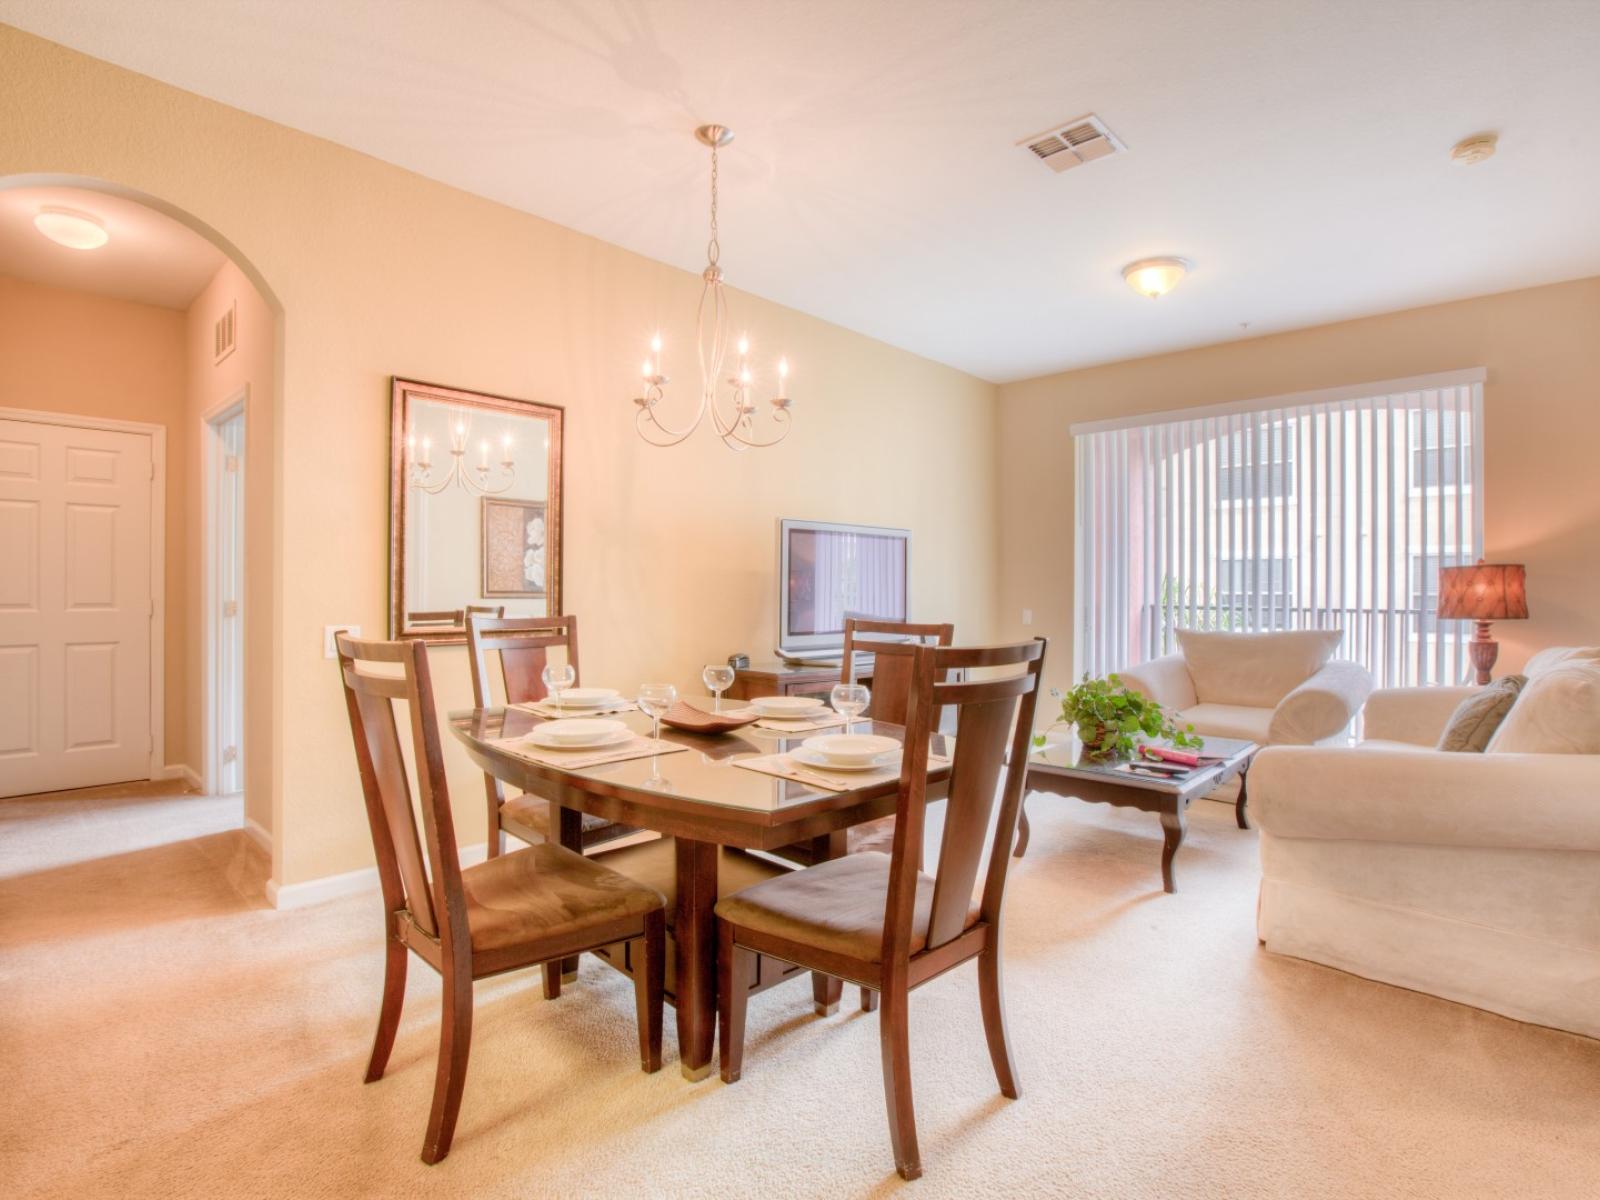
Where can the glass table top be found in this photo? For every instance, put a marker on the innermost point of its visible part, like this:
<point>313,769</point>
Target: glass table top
<point>1062,754</point>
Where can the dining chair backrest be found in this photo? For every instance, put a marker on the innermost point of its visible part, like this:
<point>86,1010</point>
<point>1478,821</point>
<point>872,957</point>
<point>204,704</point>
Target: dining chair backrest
<point>403,871</point>
<point>994,724</point>
<point>891,674</point>
<point>522,645</point>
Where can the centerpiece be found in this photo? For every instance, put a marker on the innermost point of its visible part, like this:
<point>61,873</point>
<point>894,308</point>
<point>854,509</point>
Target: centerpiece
<point>1111,719</point>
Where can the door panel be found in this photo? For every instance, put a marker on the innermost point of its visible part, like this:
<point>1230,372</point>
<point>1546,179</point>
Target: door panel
<point>75,611</point>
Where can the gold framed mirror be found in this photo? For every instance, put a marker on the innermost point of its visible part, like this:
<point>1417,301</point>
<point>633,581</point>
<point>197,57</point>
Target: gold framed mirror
<point>474,509</point>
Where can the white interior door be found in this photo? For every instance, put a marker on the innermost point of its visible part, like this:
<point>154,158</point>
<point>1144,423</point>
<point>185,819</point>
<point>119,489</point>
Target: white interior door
<point>227,599</point>
<point>75,606</point>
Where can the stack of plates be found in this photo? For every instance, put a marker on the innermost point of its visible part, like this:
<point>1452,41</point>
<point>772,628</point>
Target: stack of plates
<point>794,708</point>
<point>576,733</point>
<point>577,699</point>
<point>849,752</point>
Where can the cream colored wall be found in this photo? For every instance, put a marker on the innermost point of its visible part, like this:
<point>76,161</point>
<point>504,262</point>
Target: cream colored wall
<point>668,554</point>
<point>68,351</point>
<point>1541,426</point>
<point>210,384</point>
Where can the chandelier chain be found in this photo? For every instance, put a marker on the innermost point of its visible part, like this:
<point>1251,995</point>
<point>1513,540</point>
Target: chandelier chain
<point>713,247</point>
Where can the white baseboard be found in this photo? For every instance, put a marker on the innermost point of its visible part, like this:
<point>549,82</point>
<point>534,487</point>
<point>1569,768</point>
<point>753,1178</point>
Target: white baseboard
<point>332,887</point>
<point>180,771</point>
<point>259,834</point>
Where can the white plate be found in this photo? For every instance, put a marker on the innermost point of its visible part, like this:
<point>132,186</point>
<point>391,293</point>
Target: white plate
<point>788,706</point>
<point>851,749</point>
<point>577,734</point>
<point>812,759</point>
<point>586,697</point>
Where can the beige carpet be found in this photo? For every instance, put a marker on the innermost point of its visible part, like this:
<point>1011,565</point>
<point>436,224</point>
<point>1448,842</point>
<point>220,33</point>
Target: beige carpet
<point>164,1034</point>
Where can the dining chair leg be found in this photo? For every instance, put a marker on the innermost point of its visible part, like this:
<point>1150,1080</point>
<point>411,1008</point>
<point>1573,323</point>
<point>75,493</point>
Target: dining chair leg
<point>455,1043</point>
<point>894,1035</point>
<point>552,980</point>
<point>826,991</point>
<point>394,994</point>
<point>735,975</point>
<point>991,996</point>
<point>649,977</point>
<point>869,1000</point>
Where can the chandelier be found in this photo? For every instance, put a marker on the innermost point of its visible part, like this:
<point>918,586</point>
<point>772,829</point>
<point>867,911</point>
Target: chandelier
<point>733,422</point>
<point>474,480</point>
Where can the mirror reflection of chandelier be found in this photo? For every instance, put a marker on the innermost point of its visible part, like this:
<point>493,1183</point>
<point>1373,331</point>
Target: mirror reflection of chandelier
<point>475,479</point>
<point>736,426</point>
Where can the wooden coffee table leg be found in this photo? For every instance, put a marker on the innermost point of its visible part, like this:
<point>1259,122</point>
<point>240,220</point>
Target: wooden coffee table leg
<point>1023,831</point>
<point>1239,812</point>
<point>826,990</point>
<point>696,935</point>
<point>1173,826</point>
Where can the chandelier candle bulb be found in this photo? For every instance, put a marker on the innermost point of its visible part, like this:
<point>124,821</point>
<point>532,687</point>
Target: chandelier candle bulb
<point>783,379</point>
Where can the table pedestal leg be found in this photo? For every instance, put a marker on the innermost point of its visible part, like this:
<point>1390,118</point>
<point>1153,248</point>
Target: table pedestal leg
<point>568,824</point>
<point>1173,826</point>
<point>826,990</point>
<point>696,935</point>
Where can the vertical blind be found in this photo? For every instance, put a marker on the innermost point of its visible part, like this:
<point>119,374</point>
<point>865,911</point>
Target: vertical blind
<point>1325,510</point>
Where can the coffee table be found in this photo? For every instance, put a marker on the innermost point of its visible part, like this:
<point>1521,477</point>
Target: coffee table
<point>1058,767</point>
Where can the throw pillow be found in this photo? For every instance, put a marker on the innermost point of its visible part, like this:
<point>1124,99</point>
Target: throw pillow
<point>1254,670</point>
<point>1557,713</point>
<point>1556,656</point>
<point>1477,717</point>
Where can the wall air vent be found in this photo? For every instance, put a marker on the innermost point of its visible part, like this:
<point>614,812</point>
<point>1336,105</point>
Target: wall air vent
<point>1073,144</point>
<point>225,334</point>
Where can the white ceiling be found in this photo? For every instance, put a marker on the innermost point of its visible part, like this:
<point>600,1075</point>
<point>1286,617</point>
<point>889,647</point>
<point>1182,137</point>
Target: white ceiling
<point>1295,150</point>
<point>150,258</point>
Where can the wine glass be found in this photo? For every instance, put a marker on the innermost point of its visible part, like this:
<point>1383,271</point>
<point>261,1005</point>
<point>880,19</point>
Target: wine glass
<point>655,699</point>
<point>849,700</point>
<point>558,679</point>
<point>717,677</point>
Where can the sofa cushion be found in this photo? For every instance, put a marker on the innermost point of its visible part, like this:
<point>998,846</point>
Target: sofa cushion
<point>1255,670</point>
<point>1478,716</point>
<point>1228,721</point>
<point>1555,656</point>
<point>1557,713</point>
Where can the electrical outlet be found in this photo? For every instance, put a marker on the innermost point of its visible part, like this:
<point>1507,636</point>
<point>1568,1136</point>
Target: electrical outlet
<point>1027,616</point>
<point>329,650</point>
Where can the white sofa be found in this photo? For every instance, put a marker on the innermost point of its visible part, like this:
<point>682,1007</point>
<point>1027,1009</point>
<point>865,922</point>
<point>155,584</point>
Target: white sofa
<point>1472,876</point>
<point>1273,689</point>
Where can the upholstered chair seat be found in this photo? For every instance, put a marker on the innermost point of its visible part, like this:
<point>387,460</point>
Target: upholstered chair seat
<point>654,864</point>
<point>545,893</point>
<point>529,818</point>
<point>836,906</point>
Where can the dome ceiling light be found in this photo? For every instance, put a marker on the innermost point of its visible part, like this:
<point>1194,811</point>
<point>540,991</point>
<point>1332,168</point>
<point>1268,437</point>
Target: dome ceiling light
<point>71,228</point>
<point>1155,277</point>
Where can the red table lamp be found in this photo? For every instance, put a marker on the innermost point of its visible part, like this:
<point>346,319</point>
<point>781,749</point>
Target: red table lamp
<point>1483,593</point>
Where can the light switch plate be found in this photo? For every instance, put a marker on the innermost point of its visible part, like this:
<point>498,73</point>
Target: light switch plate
<point>1027,616</point>
<point>329,650</point>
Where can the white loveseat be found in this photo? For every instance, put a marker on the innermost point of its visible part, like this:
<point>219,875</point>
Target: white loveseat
<point>1274,689</point>
<point>1472,876</point>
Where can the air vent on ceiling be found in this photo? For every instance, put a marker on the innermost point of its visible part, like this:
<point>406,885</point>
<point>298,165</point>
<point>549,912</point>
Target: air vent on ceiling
<point>225,335</point>
<point>1073,144</point>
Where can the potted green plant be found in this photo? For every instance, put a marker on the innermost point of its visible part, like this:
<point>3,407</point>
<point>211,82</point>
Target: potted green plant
<point>1112,719</point>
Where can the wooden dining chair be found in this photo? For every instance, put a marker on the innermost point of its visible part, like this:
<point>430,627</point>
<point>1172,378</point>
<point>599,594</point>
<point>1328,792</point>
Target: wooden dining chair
<point>879,920</point>
<point>521,648</point>
<point>534,906</point>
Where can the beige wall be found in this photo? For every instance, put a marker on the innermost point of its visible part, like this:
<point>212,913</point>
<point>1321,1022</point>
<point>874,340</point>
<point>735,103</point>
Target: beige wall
<point>1541,426</point>
<point>211,384</point>
<point>668,554</point>
<point>67,351</point>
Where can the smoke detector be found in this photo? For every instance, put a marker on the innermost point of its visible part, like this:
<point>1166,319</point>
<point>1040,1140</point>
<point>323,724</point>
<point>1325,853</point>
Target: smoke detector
<point>1073,144</point>
<point>1474,149</point>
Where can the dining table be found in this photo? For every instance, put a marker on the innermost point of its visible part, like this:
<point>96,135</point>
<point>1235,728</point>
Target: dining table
<point>704,800</point>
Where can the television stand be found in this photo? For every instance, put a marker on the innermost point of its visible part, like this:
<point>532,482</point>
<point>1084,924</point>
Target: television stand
<point>780,678</point>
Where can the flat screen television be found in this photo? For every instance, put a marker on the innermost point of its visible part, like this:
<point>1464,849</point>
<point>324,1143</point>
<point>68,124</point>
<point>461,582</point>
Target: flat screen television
<point>827,572</point>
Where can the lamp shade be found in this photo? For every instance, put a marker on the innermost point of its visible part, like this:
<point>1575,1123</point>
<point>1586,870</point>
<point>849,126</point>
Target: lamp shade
<point>1483,592</point>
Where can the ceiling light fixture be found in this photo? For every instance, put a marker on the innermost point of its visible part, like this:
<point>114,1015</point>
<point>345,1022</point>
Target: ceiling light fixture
<point>71,228</point>
<point>1155,277</point>
<point>735,427</point>
<point>1474,149</point>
